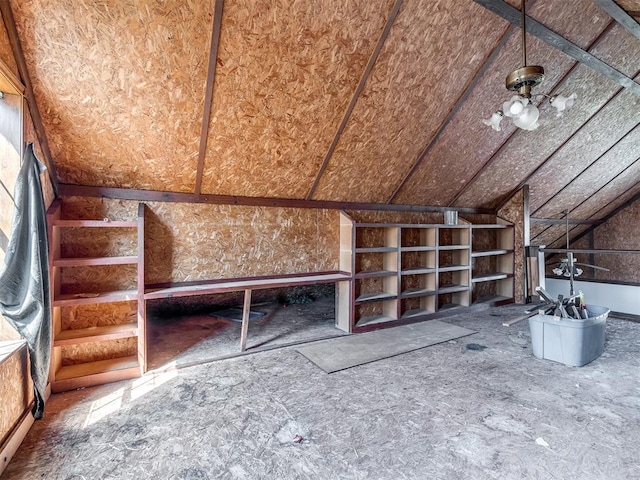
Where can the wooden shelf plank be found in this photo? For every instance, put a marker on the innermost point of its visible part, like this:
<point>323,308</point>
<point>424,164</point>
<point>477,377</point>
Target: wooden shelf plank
<point>488,277</point>
<point>374,319</point>
<point>418,248</point>
<point>93,368</point>
<point>89,261</point>
<point>416,312</point>
<point>95,223</point>
<point>375,274</point>
<point>372,297</point>
<point>490,226</point>
<point>376,249</point>
<point>95,334</point>
<point>452,288</point>
<point>417,271</point>
<point>89,298</point>
<point>417,292</point>
<point>488,253</point>
<point>453,268</point>
<point>453,247</point>
<point>206,288</point>
<point>96,373</point>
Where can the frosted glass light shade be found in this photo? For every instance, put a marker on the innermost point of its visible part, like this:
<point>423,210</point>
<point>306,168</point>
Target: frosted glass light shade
<point>494,121</point>
<point>562,103</point>
<point>515,106</point>
<point>528,119</point>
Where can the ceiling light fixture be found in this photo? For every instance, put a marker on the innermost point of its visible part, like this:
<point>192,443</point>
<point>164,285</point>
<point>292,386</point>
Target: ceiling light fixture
<point>520,108</point>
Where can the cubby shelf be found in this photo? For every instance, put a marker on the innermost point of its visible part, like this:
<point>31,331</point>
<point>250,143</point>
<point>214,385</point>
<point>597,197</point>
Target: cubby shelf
<point>70,299</point>
<point>432,266</point>
<point>90,261</point>
<point>95,334</point>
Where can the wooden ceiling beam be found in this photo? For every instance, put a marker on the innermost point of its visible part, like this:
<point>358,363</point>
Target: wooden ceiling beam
<point>511,14</point>
<point>18,54</point>
<point>465,94</point>
<point>620,16</point>
<point>158,196</point>
<point>356,95</point>
<point>208,98</point>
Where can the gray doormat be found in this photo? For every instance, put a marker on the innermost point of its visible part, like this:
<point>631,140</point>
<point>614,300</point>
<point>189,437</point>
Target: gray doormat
<point>353,350</point>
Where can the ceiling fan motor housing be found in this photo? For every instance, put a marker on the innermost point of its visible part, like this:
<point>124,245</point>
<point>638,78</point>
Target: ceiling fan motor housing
<point>524,78</point>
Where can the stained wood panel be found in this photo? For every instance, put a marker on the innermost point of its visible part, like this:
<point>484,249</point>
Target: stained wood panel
<point>596,176</point>
<point>286,73</point>
<point>120,87</point>
<point>422,70</point>
<point>528,150</point>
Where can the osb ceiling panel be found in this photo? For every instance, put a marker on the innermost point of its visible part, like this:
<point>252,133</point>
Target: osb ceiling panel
<point>6,54</point>
<point>526,151</point>
<point>423,69</point>
<point>466,144</point>
<point>620,157</point>
<point>585,147</point>
<point>120,87</point>
<point>286,73</point>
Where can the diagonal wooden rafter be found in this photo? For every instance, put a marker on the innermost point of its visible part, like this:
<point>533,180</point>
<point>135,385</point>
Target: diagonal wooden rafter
<point>356,95</point>
<point>18,54</point>
<point>208,98</point>
<point>506,11</point>
<point>620,16</point>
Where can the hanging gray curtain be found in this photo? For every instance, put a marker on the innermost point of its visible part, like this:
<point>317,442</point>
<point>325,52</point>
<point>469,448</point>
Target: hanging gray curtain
<point>24,281</point>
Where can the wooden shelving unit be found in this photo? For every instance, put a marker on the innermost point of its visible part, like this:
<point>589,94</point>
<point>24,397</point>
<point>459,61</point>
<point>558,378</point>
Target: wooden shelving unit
<point>410,271</point>
<point>67,371</point>
<point>493,262</point>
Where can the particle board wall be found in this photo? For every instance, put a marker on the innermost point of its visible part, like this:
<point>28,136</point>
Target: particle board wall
<point>16,393</point>
<point>285,75</point>
<point>6,54</point>
<point>126,108</point>
<point>187,242</point>
<point>620,232</point>
<point>514,212</point>
<point>394,117</point>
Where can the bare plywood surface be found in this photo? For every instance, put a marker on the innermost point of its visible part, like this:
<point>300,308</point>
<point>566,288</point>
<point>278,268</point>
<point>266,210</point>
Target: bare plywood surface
<point>285,75</point>
<point>620,157</point>
<point>397,114</point>
<point>98,315</point>
<point>585,147</point>
<point>119,86</point>
<point>513,211</point>
<point>466,144</point>
<point>6,54</point>
<point>528,150</point>
<point>16,392</point>
<point>197,242</point>
<point>97,351</point>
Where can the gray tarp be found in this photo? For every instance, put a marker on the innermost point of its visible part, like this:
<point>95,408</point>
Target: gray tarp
<point>24,282</point>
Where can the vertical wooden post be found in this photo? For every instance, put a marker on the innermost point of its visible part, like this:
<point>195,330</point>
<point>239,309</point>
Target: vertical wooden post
<point>246,309</point>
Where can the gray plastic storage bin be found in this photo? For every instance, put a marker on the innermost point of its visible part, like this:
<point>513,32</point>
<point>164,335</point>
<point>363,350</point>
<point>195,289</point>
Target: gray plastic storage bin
<point>567,340</point>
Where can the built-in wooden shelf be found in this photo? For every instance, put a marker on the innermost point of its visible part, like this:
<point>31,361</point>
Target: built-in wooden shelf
<point>67,300</point>
<point>417,271</point>
<point>417,292</point>
<point>95,373</point>
<point>95,334</point>
<point>489,253</point>
<point>91,261</point>
<point>488,277</point>
<point>375,274</point>
<point>452,288</point>
<point>94,223</point>
<point>370,297</point>
<point>373,320</point>
<point>453,268</point>
<point>416,312</point>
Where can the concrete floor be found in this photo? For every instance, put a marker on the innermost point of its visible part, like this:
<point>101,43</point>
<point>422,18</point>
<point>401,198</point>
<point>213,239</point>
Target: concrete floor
<point>480,407</point>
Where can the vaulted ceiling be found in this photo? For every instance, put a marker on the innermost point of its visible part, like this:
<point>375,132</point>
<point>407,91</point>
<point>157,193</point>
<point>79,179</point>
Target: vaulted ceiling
<point>371,101</point>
